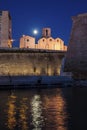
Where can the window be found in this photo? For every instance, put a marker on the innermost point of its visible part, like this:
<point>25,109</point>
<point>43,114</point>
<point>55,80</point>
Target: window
<point>43,40</point>
<point>0,19</point>
<point>34,69</point>
<point>57,40</point>
<point>50,39</point>
<point>46,32</point>
<point>0,12</point>
<point>27,40</point>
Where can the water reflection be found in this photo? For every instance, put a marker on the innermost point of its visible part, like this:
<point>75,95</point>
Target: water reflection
<point>23,117</point>
<point>55,109</point>
<point>11,113</point>
<point>36,112</point>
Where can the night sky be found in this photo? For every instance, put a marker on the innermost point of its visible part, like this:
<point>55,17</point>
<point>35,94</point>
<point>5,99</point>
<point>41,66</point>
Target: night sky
<point>28,15</point>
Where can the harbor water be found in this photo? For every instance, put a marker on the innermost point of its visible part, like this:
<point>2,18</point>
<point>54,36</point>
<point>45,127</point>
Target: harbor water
<point>36,109</point>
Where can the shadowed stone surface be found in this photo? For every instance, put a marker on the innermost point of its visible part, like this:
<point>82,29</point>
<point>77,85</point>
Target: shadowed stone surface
<point>14,62</point>
<point>76,57</point>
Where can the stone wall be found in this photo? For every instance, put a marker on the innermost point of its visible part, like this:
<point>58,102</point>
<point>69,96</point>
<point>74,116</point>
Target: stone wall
<point>20,62</point>
<point>76,57</point>
<point>6,29</point>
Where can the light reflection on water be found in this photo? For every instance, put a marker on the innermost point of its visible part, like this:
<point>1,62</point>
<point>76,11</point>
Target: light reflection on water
<point>36,110</point>
<point>23,117</point>
<point>11,122</point>
<point>55,107</point>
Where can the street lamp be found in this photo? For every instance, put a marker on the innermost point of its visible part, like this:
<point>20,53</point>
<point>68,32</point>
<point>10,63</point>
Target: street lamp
<point>10,41</point>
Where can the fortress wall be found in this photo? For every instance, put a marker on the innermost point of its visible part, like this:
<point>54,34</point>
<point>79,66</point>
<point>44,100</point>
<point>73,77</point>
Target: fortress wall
<point>76,57</point>
<point>16,62</point>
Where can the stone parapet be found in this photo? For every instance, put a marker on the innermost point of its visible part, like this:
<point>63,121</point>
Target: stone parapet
<point>29,62</point>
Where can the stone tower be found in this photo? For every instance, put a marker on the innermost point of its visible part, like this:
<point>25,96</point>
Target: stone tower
<point>76,57</point>
<point>46,32</point>
<point>5,29</point>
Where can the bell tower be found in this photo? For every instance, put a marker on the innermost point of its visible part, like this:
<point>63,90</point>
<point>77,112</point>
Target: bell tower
<point>46,32</point>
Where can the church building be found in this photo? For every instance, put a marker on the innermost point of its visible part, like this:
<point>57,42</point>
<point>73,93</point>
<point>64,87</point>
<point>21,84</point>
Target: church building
<point>45,42</point>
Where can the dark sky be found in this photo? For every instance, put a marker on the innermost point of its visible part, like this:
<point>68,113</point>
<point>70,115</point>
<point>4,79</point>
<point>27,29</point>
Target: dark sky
<point>28,15</point>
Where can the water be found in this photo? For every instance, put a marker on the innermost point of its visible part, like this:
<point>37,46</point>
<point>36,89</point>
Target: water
<point>80,108</point>
<point>36,109</point>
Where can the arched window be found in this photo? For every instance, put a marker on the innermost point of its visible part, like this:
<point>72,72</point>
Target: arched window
<point>27,40</point>
<point>50,39</point>
<point>43,40</point>
<point>46,32</point>
<point>57,40</point>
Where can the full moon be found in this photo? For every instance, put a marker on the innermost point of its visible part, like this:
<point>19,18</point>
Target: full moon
<point>35,31</point>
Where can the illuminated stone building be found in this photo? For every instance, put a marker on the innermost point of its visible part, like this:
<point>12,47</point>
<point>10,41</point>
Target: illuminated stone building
<point>5,29</point>
<point>27,42</point>
<point>45,42</point>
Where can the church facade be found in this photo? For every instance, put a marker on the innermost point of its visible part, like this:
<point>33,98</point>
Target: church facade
<point>45,42</point>
<point>27,42</point>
